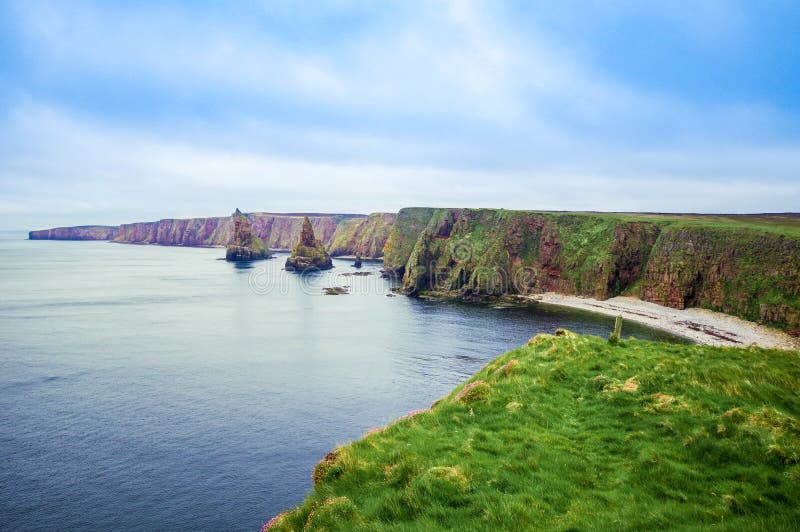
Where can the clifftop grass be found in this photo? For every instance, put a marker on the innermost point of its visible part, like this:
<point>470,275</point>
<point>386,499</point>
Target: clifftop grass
<point>573,433</point>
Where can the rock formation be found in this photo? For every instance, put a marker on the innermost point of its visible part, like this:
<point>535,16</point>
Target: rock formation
<point>244,245</point>
<point>308,253</point>
<point>341,234</point>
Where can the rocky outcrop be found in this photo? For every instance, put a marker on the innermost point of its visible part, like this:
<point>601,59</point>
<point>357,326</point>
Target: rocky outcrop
<point>671,260</point>
<point>308,253</point>
<point>341,234</point>
<point>85,232</point>
<point>244,245</point>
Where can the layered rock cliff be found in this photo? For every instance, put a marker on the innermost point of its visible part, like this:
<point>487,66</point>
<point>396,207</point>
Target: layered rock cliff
<point>747,273</point>
<point>84,232</point>
<point>734,266</point>
<point>363,237</point>
<point>341,234</point>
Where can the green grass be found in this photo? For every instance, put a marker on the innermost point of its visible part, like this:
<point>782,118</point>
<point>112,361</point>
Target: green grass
<point>784,224</point>
<point>572,433</point>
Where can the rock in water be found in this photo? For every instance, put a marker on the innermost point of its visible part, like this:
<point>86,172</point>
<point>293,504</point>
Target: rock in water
<point>357,263</point>
<point>309,253</point>
<point>244,245</point>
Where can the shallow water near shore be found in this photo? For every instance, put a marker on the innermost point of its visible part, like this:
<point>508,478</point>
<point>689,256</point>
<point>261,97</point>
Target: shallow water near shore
<point>147,387</point>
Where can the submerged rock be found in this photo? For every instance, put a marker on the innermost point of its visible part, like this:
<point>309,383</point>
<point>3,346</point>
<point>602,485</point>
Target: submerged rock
<point>336,290</point>
<point>308,253</point>
<point>244,245</point>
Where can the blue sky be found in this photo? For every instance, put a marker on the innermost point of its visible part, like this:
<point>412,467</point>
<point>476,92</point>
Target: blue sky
<point>114,112</point>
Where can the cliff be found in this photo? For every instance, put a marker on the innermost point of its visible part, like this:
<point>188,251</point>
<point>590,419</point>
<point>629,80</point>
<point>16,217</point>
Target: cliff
<point>84,232</point>
<point>364,237</point>
<point>341,234</point>
<point>573,433</point>
<point>308,253</point>
<point>244,245</point>
<point>739,265</point>
<point>746,265</point>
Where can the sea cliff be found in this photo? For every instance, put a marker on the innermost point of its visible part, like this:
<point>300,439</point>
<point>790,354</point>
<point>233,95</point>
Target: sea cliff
<point>341,234</point>
<point>745,266</point>
<point>84,232</point>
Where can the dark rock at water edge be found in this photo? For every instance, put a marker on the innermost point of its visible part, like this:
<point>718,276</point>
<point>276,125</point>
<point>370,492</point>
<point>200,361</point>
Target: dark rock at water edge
<point>336,290</point>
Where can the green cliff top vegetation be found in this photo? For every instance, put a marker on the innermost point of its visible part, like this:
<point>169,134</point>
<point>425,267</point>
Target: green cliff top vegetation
<point>785,224</point>
<point>574,433</point>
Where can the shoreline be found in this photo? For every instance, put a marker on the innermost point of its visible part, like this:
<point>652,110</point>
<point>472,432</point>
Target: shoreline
<point>699,325</point>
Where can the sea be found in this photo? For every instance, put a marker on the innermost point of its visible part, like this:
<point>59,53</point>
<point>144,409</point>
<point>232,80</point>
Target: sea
<point>161,388</point>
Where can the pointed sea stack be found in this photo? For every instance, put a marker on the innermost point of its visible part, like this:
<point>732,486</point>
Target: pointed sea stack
<point>244,245</point>
<point>308,253</point>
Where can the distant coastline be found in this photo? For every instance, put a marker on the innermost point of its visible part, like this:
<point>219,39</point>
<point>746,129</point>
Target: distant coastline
<point>741,265</point>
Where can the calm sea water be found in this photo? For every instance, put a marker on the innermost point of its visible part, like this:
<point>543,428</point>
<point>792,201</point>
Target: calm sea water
<point>146,387</point>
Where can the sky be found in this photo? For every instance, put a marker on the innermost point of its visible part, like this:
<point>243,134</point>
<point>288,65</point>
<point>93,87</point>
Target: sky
<point>129,111</point>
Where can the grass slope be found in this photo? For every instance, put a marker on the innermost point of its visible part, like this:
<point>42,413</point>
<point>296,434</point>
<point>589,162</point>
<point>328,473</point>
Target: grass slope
<point>573,433</point>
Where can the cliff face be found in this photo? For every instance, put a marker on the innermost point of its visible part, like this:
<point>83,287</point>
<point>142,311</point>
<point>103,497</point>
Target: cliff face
<point>409,224</point>
<point>86,232</point>
<point>361,236</point>
<point>496,252</point>
<point>178,232</point>
<point>750,274</point>
<point>341,234</point>
<point>680,263</point>
<point>282,231</point>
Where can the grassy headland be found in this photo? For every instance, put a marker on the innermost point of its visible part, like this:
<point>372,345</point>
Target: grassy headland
<point>573,433</point>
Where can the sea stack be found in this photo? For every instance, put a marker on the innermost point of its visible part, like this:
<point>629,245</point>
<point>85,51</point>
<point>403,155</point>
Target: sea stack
<point>244,245</point>
<point>308,253</point>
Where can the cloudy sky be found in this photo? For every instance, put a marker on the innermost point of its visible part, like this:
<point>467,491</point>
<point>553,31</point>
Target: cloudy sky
<point>111,113</point>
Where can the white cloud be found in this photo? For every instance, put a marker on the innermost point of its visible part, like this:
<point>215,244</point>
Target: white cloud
<point>451,106</point>
<point>91,168</point>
